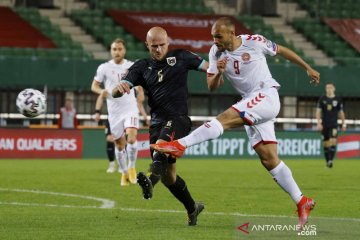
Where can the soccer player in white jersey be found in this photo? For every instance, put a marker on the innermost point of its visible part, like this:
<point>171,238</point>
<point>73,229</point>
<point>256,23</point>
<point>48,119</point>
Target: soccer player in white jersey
<point>123,112</point>
<point>241,59</point>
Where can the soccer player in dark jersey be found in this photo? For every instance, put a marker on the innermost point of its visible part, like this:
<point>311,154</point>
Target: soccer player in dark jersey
<point>329,108</point>
<point>164,79</point>
<point>110,148</point>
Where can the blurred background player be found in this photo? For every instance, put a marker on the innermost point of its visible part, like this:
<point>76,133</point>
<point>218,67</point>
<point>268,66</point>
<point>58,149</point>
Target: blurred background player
<point>329,108</point>
<point>110,146</point>
<point>68,119</point>
<point>123,112</point>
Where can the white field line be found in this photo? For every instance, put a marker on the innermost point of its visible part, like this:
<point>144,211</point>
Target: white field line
<point>109,204</point>
<point>105,203</point>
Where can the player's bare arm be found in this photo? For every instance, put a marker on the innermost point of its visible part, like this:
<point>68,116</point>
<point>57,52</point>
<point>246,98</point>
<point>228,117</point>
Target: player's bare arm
<point>215,81</point>
<point>140,98</point>
<point>318,119</point>
<point>96,88</point>
<point>121,89</point>
<point>98,106</point>
<point>293,57</point>
<point>204,66</point>
<point>221,65</point>
<point>342,117</point>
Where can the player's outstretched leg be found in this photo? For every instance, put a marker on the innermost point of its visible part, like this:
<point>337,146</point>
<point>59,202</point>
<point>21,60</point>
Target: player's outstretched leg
<point>145,184</point>
<point>173,148</point>
<point>304,207</point>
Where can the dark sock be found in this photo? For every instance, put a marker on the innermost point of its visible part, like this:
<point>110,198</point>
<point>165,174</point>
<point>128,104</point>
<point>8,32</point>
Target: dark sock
<point>110,150</point>
<point>332,151</point>
<point>154,179</point>
<point>180,191</point>
<point>327,153</point>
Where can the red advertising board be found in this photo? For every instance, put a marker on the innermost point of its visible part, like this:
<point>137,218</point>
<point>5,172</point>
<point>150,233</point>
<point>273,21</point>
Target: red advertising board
<point>348,146</point>
<point>17,32</point>
<point>40,143</point>
<point>143,145</point>
<point>348,29</point>
<point>192,32</point>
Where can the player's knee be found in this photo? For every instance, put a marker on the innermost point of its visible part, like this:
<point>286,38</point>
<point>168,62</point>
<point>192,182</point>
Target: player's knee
<point>230,118</point>
<point>268,155</point>
<point>270,163</point>
<point>131,140</point>
<point>169,178</point>
<point>159,156</point>
<point>327,143</point>
<point>333,142</point>
<point>119,146</point>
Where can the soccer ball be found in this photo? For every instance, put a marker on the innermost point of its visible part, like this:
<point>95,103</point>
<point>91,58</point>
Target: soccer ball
<point>31,102</point>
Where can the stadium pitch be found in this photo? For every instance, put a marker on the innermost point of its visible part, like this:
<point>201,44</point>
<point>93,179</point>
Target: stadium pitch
<point>76,199</point>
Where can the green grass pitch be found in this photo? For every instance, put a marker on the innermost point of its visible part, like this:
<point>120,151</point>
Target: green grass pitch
<point>76,199</point>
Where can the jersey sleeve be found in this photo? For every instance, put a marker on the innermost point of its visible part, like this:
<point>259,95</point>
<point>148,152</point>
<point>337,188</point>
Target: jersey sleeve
<point>134,75</point>
<point>213,61</point>
<point>192,60</point>
<point>319,104</point>
<point>100,74</point>
<point>261,43</point>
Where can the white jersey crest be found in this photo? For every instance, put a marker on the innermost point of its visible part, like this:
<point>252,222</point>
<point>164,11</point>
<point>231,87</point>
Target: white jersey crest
<point>246,69</point>
<point>110,74</point>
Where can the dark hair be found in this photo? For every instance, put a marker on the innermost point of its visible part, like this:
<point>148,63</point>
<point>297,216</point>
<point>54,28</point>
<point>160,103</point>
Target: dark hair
<point>330,83</point>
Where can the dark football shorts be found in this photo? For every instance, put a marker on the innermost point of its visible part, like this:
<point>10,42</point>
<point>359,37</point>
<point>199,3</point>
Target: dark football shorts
<point>329,133</point>
<point>169,130</point>
<point>107,128</point>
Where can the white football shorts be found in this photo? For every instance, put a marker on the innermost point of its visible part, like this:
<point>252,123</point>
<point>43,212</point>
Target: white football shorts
<point>259,110</point>
<point>118,124</point>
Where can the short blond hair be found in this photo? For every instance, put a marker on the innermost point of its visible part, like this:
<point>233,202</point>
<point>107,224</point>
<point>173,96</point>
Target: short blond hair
<point>227,22</point>
<point>118,40</point>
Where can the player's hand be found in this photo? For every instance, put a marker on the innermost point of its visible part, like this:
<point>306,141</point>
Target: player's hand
<point>146,121</point>
<point>97,117</point>
<point>319,127</point>
<point>343,127</point>
<point>121,89</point>
<point>221,65</point>
<point>314,75</point>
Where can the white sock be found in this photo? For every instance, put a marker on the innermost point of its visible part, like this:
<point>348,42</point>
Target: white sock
<point>209,130</point>
<point>121,158</point>
<point>132,152</point>
<point>283,176</point>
